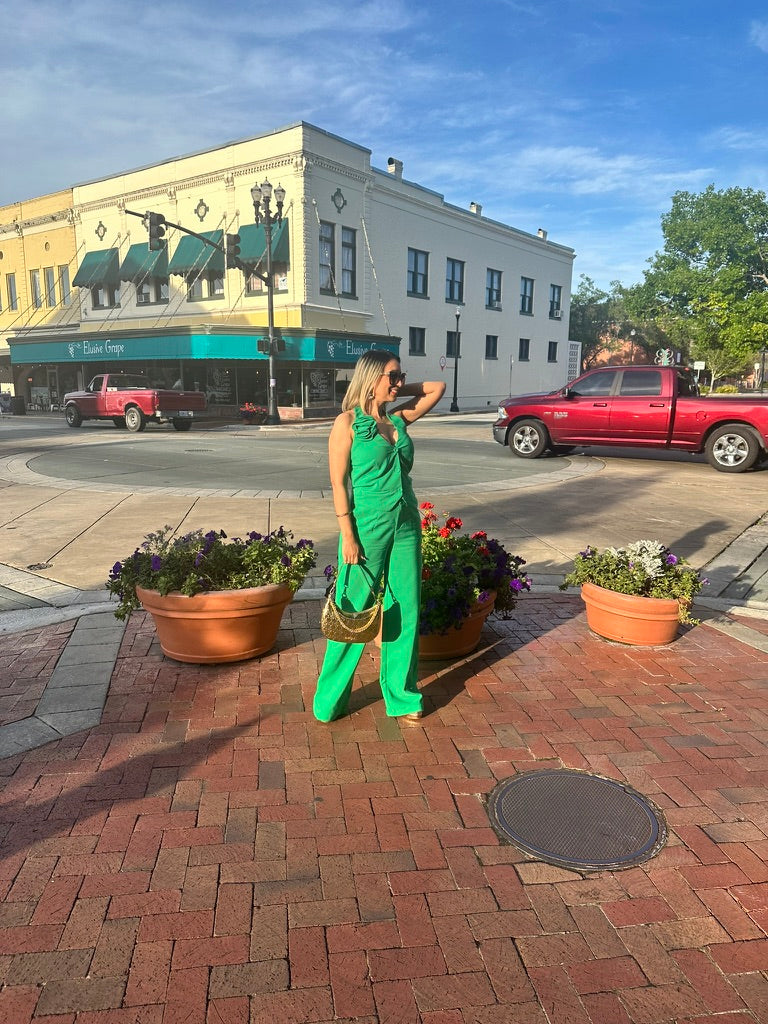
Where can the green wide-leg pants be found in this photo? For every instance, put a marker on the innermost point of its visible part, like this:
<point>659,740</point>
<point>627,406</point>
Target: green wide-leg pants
<point>391,544</point>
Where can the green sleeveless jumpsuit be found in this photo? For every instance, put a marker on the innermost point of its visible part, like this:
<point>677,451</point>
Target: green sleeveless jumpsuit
<point>387,523</point>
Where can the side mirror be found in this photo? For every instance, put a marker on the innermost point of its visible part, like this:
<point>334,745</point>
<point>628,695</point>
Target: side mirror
<point>566,392</point>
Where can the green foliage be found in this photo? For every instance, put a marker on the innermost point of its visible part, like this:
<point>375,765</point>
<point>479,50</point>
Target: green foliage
<point>199,562</point>
<point>457,570</point>
<point>708,287</point>
<point>602,322</point>
<point>726,389</point>
<point>645,568</point>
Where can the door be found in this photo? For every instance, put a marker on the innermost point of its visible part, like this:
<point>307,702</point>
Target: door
<point>641,410</point>
<point>584,416</point>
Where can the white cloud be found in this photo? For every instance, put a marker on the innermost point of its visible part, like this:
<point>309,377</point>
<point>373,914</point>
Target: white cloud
<point>758,34</point>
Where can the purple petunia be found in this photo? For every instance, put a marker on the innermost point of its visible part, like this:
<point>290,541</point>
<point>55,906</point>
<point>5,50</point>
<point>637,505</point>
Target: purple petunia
<point>671,559</point>
<point>156,563</point>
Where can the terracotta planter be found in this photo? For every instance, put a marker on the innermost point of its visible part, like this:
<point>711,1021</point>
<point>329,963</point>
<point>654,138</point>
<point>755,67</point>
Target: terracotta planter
<point>223,625</point>
<point>457,643</point>
<point>641,621</point>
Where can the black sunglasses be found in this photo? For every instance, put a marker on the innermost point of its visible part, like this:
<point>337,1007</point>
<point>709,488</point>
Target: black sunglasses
<point>395,377</point>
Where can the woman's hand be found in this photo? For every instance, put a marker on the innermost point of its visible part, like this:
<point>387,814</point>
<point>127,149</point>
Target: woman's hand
<point>350,551</point>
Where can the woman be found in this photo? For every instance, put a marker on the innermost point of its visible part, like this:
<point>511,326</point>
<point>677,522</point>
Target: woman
<point>370,456</point>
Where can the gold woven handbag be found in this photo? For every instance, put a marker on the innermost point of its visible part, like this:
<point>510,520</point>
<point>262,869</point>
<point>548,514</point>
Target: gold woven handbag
<point>350,627</point>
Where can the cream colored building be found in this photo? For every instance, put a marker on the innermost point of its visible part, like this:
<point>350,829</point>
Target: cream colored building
<point>363,258</point>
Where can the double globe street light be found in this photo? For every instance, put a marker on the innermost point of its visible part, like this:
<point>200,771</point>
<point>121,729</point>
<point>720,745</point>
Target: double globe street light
<point>262,198</point>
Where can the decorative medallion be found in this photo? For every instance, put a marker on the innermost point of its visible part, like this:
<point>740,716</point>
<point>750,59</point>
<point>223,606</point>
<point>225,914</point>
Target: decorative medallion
<point>101,231</point>
<point>201,210</point>
<point>338,200</point>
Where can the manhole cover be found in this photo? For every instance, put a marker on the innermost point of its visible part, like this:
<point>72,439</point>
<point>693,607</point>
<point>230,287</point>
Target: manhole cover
<point>576,820</point>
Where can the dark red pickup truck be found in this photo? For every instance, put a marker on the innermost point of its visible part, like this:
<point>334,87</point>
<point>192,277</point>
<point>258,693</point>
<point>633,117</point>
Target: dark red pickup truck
<point>131,401</point>
<point>637,406</point>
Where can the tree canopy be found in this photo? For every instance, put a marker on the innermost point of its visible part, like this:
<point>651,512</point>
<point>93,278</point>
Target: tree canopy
<point>707,289</point>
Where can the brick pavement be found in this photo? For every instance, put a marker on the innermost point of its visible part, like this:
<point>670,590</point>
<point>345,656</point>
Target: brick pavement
<point>209,854</point>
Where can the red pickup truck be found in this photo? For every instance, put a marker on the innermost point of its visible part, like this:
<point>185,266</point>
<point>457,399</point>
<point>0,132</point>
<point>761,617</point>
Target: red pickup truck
<point>637,406</point>
<point>131,401</point>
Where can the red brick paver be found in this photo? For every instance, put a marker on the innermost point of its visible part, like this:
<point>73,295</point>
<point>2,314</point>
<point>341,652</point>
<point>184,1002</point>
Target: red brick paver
<point>209,853</point>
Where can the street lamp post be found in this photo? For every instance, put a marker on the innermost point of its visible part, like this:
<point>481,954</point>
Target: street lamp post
<point>456,354</point>
<point>262,197</point>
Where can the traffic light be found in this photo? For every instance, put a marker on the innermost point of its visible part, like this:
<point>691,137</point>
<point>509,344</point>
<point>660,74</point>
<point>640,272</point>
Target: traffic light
<point>233,251</point>
<point>156,228</point>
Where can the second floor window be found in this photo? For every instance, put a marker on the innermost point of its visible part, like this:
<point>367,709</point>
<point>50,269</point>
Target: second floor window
<point>151,291</point>
<point>64,288</point>
<point>254,285</point>
<point>208,285</point>
<point>454,281</point>
<point>555,301</point>
<point>491,346</point>
<point>524,350</point>
<point>105,296</point>
<point>418,265</point>
<point>526,296</point>
<point>493,289</point>
<point>417,341</point>
<point>50,287</point>
<point>348,262</point>
<point>327,262</point>
<point>34,287</point>
<point>13,299</point>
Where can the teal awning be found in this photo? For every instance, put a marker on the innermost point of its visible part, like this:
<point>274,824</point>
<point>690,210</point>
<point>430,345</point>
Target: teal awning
<point>141,263</point>
<point>193,256</point>
<point>99,267</point>
<point>253,244</point>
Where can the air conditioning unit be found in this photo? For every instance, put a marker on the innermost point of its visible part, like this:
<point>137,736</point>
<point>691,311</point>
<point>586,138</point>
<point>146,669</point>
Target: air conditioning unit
<point>557,314</point>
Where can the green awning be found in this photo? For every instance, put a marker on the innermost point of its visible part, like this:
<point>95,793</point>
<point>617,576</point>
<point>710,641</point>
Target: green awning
<point>99,267</point>
<point>253,244</point>
<point>194,256</point>
<point>141,263</point>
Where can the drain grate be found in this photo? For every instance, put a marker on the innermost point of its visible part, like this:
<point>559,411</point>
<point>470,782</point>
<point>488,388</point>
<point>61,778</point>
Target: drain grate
<point>576,820</point>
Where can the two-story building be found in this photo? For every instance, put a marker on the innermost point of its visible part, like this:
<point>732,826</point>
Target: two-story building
<point>362,258</point>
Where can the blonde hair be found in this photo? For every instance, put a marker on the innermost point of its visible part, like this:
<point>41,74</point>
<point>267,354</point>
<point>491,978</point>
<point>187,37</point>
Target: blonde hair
<point>368,369</point>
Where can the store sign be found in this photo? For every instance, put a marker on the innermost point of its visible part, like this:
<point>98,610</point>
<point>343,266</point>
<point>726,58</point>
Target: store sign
<point>96,349</point>
<point>346,350</point>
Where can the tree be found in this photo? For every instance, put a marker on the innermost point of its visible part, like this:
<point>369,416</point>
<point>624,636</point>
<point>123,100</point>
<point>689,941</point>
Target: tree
<point>708,286</point>
<point>599,320</point>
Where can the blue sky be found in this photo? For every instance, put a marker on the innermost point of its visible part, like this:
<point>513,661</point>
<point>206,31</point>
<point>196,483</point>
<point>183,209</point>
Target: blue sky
<point>582,117</point>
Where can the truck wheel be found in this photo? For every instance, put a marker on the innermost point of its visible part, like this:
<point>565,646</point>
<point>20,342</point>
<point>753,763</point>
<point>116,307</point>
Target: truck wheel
<point>72,416</point>
<point>179,424</point>
<point>732,448</point>
<point>528,439</point>
<point>119,422</point>
<point>135,420</point>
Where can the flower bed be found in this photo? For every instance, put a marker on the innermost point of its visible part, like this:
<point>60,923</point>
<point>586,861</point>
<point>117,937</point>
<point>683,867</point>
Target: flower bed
<point>250,413</point>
